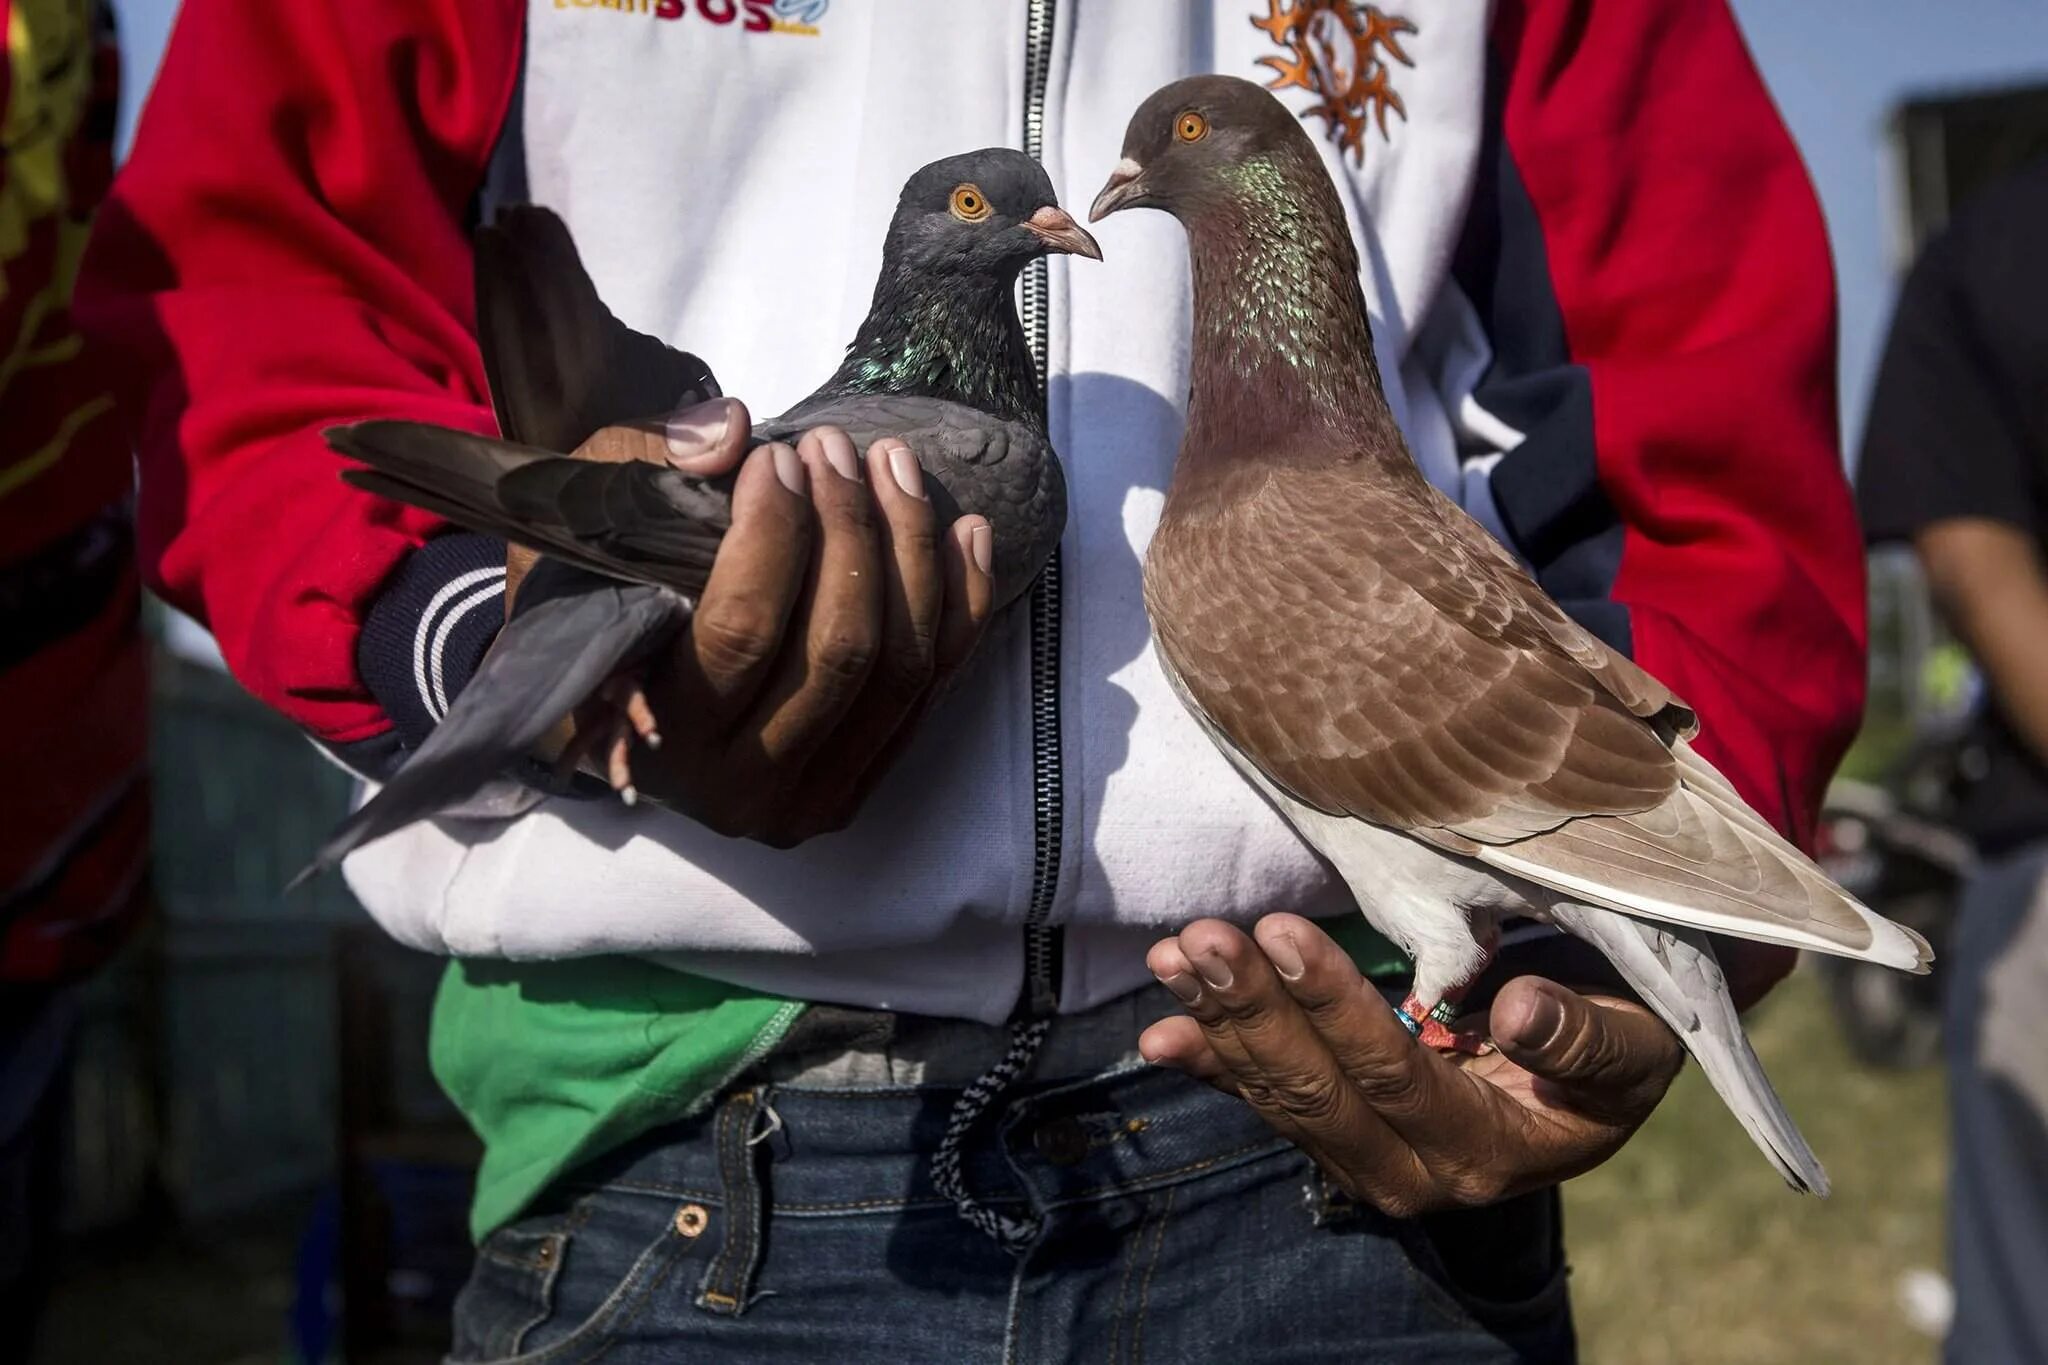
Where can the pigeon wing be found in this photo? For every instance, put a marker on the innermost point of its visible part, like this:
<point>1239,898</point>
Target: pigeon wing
<point>560,365</point>
<point>635,521</point>
<point>1375,665</point>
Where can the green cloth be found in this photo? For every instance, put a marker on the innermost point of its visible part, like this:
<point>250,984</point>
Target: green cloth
<point>1376,956</point>
<point>556,1063</point>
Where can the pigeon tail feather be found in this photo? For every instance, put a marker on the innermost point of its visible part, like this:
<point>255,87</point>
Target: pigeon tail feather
<point>1677,975</point>
<point>545,662</point>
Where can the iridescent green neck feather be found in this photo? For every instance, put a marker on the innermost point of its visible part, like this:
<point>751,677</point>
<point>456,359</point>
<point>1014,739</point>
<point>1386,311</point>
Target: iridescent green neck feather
<point>1283,347</point>
<point>944,335</point>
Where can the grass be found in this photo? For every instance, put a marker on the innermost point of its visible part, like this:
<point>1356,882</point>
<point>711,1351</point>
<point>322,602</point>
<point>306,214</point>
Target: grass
<point>1687,1248</point>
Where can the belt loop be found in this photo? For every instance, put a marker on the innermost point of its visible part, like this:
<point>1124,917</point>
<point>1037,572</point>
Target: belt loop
<point>744,1119</point>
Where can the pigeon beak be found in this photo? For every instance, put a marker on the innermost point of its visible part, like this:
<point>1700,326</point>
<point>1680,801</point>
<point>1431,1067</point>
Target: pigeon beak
<point>1056,227</point>
<point>1123,188</point>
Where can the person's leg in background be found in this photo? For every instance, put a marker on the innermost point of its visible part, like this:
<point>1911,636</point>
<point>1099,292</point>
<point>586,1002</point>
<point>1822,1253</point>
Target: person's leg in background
<point>1997,1018</point>
<point>36,1030</point>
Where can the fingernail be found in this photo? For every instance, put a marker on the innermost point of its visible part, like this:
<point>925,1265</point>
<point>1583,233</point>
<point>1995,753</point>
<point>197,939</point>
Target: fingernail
<point>1543,1021</point>
<point>903,468</point>
<point>1284,956</point>
<point>1185,988</point>
<point>699,430</point>
<point>652,739</point>
<point>982,540</point>
<point>630,794</point>
<point>839,454</point>
<point>1214,972</point>
<point>789,467</point>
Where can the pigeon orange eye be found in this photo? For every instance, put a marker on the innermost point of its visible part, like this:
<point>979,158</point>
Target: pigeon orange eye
<point>969,204</point>
<point>1191,127</point>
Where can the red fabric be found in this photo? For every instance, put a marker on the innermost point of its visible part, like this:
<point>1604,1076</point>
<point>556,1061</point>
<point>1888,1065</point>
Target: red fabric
<point>1691,264</point>
<point>285,249</point>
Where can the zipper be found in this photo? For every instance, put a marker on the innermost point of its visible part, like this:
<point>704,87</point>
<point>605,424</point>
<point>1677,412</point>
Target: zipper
<point>1038,1001</point>
<point>1042,941</point>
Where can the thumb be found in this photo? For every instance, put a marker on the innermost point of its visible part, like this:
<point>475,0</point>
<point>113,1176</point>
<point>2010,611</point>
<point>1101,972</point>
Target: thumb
<point>1611,1057</point>
<point>708,439</point>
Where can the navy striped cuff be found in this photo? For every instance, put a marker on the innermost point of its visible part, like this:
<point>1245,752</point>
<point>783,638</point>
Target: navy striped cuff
<point>429,628</point>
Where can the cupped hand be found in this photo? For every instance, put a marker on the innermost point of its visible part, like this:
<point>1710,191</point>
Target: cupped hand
<point>835,612</point>
<point>1283,1020</point>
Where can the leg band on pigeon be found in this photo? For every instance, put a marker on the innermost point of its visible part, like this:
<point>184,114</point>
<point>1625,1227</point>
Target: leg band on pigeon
<point>1432,1027</point>
<point>1013,1234</point>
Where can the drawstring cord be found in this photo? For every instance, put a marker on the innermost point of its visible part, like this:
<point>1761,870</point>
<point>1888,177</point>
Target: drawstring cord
<point>1026,1037</point>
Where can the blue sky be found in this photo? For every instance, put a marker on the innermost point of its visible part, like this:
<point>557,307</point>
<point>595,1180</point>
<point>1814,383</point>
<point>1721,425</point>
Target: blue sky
<point>1837,67</point>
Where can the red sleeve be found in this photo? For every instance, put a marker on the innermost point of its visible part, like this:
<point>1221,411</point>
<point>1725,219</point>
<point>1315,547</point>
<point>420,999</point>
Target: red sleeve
<point>286,248</point>
<point>1692,278</point>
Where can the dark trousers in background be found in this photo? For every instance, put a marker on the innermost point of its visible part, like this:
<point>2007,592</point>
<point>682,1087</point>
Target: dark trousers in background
<point>36,1028</point>
<point>1997,1027</point>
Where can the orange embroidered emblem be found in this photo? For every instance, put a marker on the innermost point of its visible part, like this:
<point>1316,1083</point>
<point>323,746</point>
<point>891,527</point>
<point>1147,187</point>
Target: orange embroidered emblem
<point>1342,52</point>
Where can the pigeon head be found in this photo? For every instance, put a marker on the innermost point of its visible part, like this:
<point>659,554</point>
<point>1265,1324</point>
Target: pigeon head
<point>986,213</point>
<point>1282,339</point>
<point>1188,147</point>
<point>943,323</point>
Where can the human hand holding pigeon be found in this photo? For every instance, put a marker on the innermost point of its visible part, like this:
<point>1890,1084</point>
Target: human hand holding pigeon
<point>1392,679</point>
<point>870,607</point>
<point>1282,1019</point>
<point>821,631</point>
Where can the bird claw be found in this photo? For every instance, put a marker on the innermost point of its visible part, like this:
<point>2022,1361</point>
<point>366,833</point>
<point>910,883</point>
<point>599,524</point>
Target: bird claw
<point>1433,1029</point>
<point>1443,1038</point>
<point>628,693</point>
<point>632,717</point>
<point>606,726</point>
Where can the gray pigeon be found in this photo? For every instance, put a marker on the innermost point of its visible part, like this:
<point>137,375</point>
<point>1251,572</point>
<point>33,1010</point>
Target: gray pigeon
<point>940,362</point>
<point>1391,678</point>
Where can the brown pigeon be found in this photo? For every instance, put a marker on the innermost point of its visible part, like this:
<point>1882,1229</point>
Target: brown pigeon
<point>1386,672</point>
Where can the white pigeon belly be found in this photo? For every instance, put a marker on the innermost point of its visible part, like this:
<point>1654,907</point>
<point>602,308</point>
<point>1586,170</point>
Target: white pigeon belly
<point>1438,908</point>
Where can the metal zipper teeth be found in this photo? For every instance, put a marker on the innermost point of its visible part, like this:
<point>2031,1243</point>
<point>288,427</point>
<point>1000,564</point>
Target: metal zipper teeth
<point>1037,66</point>
<point>1047,784</point>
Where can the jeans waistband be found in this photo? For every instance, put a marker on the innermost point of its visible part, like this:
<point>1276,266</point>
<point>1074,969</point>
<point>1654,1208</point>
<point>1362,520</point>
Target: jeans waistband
<point>826,1151</point>
<point>864,1050</point>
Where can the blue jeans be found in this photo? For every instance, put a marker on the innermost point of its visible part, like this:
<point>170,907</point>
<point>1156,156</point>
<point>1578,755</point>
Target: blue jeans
<point>795,1224</point>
